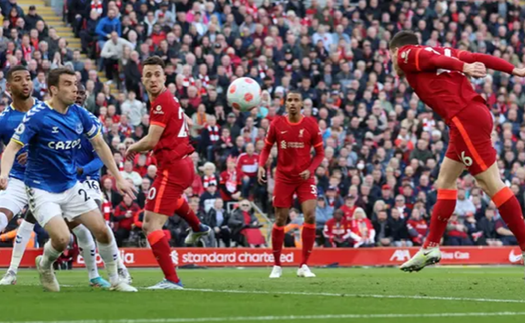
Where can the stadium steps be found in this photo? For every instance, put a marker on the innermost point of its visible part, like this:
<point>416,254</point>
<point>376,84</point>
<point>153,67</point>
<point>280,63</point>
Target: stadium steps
<point>52,19</point>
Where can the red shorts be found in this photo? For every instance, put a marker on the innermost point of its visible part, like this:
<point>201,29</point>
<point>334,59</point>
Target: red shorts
<point>163,196</point>
<point>470,138</point>
<point>284,192</point>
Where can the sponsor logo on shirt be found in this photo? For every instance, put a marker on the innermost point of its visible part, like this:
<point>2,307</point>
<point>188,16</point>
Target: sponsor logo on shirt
<point>291,144</point>
<point>55,130</point>
<point>158,110</point>
<point>63,145</point>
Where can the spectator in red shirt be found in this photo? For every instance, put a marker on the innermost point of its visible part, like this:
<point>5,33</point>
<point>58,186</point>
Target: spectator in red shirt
<point>336,231</point>
<point>362,230</point>
<point>456,234</point>
<point>124,219</point>
<point>247,165</point>
<point>349,207</point>
<point>230,182</point>
<point>417,227</point>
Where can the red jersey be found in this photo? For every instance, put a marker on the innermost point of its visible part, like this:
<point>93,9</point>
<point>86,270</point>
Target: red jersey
<point>229,183</point>
<point>174,144</point>
<point>349,212</point>
<point>362,228</point>
<point>247,165</point>
<point>435,74</point>
<point>294,146</point>
<point>333,229</point>
<point>420,226</point>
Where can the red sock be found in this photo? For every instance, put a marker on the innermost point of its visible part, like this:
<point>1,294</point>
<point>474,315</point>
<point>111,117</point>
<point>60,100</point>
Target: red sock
<point>510,210</point>
<point>443,209</point>
<point>161,249</point>
<point>308,239</point>
<point>277,243</point>
<point>185,212</point>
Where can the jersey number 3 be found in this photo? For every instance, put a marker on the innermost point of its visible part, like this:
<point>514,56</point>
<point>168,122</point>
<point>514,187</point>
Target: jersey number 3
<point>183,132</point>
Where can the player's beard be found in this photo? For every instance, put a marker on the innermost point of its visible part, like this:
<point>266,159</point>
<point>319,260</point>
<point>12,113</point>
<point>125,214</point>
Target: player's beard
<point>21,96</point>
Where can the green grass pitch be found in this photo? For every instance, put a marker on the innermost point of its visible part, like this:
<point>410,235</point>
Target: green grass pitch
<point>387,295</point>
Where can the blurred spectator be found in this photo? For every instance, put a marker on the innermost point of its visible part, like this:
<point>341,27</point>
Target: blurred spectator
<point>464,206</point>
<point>292,230</point>
<point>129,173</point>
<point>457,232</point>
<point>361,229</point>
<point>337,231</point>
<point>382,229</point>
<point>217,218</point>
<point>245,227</point>
<point>398,229</point>
<point>417,228</point>
<point>124,219</point>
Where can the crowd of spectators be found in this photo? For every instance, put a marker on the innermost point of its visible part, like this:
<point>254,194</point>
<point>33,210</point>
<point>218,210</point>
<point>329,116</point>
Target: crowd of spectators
<point>382,145</point>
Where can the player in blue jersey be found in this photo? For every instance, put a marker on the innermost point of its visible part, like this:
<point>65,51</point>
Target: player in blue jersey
<point>88,173</point>
<point>86,244</point>
<point>52,132</point>
<point>14,200</point>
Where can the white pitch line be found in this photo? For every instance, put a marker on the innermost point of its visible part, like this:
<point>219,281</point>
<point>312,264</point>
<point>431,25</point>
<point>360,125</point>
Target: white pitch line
<point>283,318</point>
<point>439,298</point>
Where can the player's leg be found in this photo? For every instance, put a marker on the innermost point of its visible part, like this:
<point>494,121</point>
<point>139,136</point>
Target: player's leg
<point>78,205</point>
<point>282,201</point>
<point>441,213</point>
<point>12,201</point>
<point>307,194</point>
<point>108,252</point>
<point>88,250</point>
<point>23,234</point>
<point>93,190</point>
<point>152,227</point>
<point>508,205</point>
<point>176,180</point>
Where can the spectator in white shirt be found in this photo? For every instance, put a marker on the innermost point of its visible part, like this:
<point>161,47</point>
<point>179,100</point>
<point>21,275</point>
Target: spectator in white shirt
<point>129,173</point>
<point>134,109</point>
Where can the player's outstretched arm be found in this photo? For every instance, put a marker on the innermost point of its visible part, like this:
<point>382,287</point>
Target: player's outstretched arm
<point>148,142</point>
<point>106,156</point>
<point>8,158</point>
<point>492,62</point>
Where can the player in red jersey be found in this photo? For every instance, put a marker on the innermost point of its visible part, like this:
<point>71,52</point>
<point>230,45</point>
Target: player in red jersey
<point>168,137</point>
<point>439,78</point>
<point>295,136</point>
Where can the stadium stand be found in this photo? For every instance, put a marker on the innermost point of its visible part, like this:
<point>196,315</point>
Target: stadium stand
<point>382,145</point>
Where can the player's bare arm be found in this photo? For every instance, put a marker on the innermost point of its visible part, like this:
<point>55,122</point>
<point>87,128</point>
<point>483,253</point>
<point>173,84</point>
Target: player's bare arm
<point>8,158</point>
<point>148,142</point>
<point>103,151</point>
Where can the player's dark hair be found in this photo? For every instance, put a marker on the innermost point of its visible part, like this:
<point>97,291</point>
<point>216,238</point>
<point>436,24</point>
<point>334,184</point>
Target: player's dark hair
<point>295,92</point>
<point>403,38</point>
<point>14,69</point>
<point>154,60</point>
<point>54,76</point>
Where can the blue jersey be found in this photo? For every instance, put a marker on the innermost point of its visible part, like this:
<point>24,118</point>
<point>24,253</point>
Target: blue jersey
<point>53,139</point>
<point>9,121</point>
<point>88,159</point>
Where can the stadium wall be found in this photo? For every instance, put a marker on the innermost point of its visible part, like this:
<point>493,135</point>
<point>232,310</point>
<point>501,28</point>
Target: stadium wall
<point>245,257</point>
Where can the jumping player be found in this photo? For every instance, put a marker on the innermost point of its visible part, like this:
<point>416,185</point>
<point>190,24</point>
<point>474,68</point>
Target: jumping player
<point>52,131</point>
<point>439,78</point>
<point>295,136</point>
<point>168,138</point>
